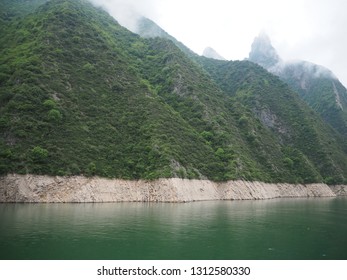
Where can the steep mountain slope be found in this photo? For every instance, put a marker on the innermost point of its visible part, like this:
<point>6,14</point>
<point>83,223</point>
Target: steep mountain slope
<point>300,131</point>
<point>318,86</point>
<point>11,9</point>
<point>146,28</point>
<point>321,90</point>
<point>72,101</point>
<point>189,90</point>
<point>291,141</point>
<point>79,94</point>
<point>84,98</point>
<point>82,95</point>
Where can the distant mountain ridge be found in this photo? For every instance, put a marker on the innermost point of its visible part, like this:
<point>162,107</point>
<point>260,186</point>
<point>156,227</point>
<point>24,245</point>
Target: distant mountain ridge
<point>317,85</point>
<point>82,95</point>
<point>211,53</point>
<point>146,28</point>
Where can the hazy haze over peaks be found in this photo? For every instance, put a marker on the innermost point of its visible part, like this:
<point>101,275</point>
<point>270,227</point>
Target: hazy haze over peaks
<point>263,53</point>
<point>211,53</point>
<point>311,30</point>
<point>127,12</point>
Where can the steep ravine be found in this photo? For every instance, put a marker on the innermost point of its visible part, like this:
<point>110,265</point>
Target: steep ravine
<point>78,189</point>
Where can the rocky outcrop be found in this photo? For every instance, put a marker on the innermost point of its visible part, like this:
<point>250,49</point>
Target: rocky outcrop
<point>263,53</point>
<point>34,188</point>
<point>339,190</point>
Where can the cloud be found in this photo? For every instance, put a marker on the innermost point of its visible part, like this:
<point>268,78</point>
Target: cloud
<point>318,35</point>
<point>312,30</point>
<point>127,12</point>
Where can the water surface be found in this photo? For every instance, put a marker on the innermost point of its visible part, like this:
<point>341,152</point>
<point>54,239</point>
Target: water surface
<point>271,229</point>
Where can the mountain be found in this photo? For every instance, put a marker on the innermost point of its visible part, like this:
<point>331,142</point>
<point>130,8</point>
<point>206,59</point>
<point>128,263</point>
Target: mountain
<point>316,85</point>
<point>80,94</point>
<point>146,28</point>
<point>263,53</point>
<point>73,101</point>
<point>15,8</point>
<point>211,53</point>
<point>299,130</point>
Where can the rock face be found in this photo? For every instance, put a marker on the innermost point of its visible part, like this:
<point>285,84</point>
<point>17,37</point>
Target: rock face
<point>33,188</point>
<point>263,53</point>
<point>339,190</point>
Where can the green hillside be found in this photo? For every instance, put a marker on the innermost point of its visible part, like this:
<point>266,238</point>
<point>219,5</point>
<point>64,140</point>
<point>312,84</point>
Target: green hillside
<point>73,101</point>
<point>146,28</point>
<point>302,133</point>
<point>316,85</point>
<point>323,92</point>
<point>79,94</point>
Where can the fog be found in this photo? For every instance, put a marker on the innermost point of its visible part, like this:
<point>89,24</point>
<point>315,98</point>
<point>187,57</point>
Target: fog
<point>311,30</point>
<point>127,12</point>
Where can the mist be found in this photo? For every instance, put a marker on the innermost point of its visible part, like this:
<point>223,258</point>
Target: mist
<point>310,30</point>
<point>127,12</point>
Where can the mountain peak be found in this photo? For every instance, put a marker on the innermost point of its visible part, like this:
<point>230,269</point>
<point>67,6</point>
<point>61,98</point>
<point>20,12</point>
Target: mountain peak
<point>211,53</point>
<point>262,51</point>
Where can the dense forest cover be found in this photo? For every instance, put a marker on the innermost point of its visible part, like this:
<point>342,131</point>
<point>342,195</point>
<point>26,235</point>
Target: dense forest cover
<point>82,95</point>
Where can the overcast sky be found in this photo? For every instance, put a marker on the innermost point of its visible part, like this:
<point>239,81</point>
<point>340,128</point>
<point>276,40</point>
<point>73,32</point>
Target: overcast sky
<point>312,30</point>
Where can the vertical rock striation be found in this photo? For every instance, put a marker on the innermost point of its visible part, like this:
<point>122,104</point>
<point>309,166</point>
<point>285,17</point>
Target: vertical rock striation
<point>78,189</point>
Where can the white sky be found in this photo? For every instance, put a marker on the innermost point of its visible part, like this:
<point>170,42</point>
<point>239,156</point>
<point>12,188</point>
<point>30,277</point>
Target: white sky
<point>312,30</point>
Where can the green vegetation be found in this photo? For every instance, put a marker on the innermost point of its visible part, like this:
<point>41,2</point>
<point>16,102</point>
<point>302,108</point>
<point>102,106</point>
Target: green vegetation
<point>321,91</point>
<point>316,85</point>
<point>79,94</point>
<point>305,139</point>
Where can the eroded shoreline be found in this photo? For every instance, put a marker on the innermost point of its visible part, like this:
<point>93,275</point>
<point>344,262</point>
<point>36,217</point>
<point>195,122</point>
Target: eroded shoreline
<point>79,189</point>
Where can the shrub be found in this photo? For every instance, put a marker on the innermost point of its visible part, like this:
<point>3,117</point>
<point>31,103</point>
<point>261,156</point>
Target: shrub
<point>49,103</point>
<point>55,115</point>
<point>39,154</point>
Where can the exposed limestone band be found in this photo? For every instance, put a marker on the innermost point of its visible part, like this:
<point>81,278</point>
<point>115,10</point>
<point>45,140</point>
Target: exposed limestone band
<point>34,188</point>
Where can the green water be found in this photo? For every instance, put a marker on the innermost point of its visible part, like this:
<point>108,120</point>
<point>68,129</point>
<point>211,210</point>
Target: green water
<point>272,229</point>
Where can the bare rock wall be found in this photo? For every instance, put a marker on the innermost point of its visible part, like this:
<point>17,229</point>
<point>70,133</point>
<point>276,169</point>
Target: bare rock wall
<point>78,189</point>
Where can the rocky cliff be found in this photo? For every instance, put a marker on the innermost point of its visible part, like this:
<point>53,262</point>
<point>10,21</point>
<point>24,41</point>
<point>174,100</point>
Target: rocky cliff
<point>33,188</point>
<point>339,190</point>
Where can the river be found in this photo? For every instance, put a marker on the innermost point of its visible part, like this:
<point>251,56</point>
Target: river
<point>296,229</point>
